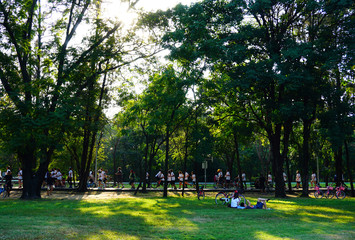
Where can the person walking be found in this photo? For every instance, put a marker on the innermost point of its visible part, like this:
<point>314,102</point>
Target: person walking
<point>119,175</point>
<point>132,176</point>
<point>313,179</point>
<point>298,179</point>
<point>244,180</point>
<point>19,175</point>
<point>70,177</point>
<point>173,179</point>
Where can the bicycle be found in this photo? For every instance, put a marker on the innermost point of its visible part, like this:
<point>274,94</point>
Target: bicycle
<point>223,198</point>
<point>201,193</point>
<point>5,191</point>
<point>330,192</point>
<point>2,192</point>
<point>91,185</point>
<point>318,193</point>
<point>340,192</point>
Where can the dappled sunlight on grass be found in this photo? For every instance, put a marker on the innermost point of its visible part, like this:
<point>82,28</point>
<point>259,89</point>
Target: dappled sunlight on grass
<point>153,212</point>
<point>108,235</point>
<point>176,217</point>
<point>264,235</point>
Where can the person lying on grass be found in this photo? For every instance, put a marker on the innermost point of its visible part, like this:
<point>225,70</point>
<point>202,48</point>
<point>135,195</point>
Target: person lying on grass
<point>236,203</point>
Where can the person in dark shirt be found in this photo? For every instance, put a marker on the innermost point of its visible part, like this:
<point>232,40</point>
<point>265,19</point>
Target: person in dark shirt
<point>8,182</point>
<point>262,181</point>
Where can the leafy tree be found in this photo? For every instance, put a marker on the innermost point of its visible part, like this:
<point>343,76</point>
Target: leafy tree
<point>42,72</point>
<point>273,60</point>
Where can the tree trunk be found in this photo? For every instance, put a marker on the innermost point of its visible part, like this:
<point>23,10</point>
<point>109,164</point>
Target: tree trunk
<point>339,165</point>
<point>166,167</point>
<point>115,165</point>
<point>144,188</point>
<point>236,146</point>
<point>348,168</point>
<point>185,160</point>
<point>305,156</point>
<point>287,132</point>
<point>32,182</point>
<point>277,162</point>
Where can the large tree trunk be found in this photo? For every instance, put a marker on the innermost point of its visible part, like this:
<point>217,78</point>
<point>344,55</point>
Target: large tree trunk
<point>277,162</point>
<point>32,181</point>
<point>287,132</point>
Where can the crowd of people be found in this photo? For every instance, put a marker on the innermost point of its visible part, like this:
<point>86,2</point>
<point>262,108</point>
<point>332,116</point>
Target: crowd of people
<point>55,178</point>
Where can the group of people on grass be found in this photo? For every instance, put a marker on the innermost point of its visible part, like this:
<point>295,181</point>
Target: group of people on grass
<point>238,204</point>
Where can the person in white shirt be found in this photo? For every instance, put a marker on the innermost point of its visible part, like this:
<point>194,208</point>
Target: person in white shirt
<point>160,178</point>
<point>101,178</point>
<point>70,177</point>
<point>313,179</point>
<point>220,177</point>
<point>244,180</point>
<point>269,179</point>
<point>59,177</point>
<point>193,178</point>
<point>228,178</point>
<point>187,179</point>
<point>19,175</point>
<point>172,178</point>
<point>181,179</point>
<point>298,179</point>
<point>285,176</point>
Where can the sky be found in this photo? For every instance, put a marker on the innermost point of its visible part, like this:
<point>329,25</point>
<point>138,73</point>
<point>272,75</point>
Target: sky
<point>114,8</point>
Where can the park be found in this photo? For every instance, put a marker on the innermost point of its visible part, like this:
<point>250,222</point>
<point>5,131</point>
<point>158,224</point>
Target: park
<point>115,115</point>
<point>119,215</point>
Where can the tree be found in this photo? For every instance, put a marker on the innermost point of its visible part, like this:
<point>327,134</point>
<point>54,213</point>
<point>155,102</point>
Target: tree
<point>269,59</point>
<point>41,72</point>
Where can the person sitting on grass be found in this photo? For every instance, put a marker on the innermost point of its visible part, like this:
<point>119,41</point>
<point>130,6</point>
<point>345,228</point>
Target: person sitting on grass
<point>235,201</point>
<point>261,204</point>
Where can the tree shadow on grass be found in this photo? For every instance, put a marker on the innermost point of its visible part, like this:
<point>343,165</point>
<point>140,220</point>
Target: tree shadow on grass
<point>147,217</point>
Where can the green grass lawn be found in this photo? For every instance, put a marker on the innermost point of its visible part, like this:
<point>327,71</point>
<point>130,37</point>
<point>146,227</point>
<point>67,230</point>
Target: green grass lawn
<point>151,217</point>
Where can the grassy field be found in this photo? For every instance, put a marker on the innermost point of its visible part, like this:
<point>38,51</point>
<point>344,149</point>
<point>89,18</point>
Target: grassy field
<point>151,217</point>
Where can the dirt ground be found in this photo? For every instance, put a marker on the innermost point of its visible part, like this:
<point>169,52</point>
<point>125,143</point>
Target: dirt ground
<point>99,195</point>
